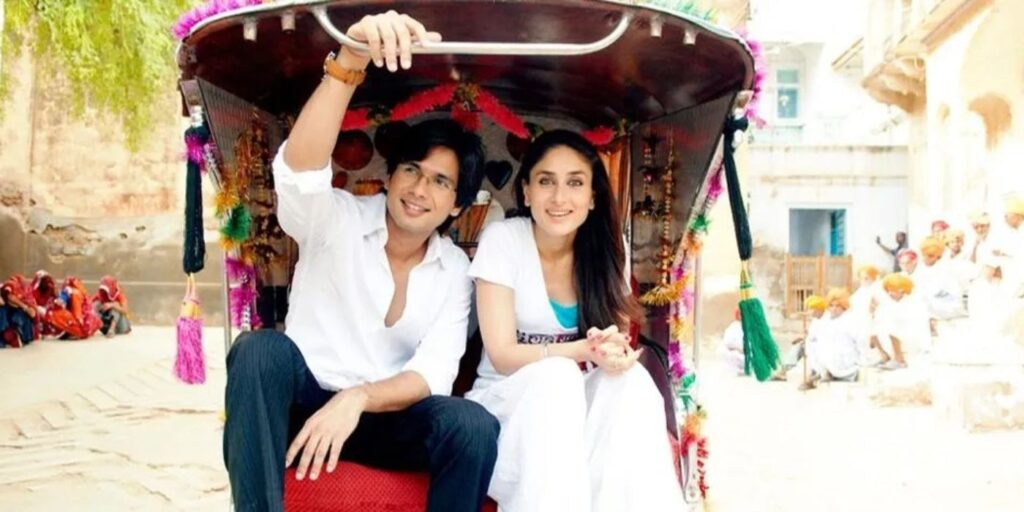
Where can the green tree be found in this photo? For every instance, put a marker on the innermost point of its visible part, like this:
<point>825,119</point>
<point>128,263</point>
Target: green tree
<point>117,56</point>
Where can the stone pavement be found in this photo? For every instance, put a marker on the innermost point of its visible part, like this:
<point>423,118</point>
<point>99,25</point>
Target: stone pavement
<point>103,425</point>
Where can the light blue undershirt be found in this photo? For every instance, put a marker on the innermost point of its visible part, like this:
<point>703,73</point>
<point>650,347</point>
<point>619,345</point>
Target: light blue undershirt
<point>568,316</point>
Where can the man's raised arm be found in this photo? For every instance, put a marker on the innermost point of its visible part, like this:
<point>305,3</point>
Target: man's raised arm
<point>316,130</point>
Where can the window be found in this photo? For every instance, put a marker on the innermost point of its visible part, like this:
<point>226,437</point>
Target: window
<point>815,232</point>
<point>787,105</point>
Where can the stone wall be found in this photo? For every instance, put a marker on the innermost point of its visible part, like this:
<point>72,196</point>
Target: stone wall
<point>74,200</point>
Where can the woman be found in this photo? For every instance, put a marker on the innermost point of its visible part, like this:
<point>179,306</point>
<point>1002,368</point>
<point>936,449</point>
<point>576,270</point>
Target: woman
<point>18,327</point>
<point>44,292</point>
<point>72,314</point>
<point>569,441</point>
<point>111,305</point>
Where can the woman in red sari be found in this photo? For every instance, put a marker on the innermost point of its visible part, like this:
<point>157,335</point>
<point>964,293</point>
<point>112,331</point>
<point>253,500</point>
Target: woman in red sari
<point>44,292</point>
<point>73,316</point>
<point>111,305</point>
<point>17,313</point>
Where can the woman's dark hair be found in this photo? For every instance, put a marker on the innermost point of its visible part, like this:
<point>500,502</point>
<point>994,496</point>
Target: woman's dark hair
<point>598,249</point>
<point>417,142</point>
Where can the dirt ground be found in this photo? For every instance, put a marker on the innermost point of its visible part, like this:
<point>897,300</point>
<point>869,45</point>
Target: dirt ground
<point>102,425</point>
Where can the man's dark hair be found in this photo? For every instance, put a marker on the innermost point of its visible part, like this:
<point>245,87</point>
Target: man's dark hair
<point>469,151</point>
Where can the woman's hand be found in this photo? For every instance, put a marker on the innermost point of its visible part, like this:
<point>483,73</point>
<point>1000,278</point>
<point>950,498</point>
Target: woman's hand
<point>615,359</point>
<point>390,37</point>
<point>609,349</point>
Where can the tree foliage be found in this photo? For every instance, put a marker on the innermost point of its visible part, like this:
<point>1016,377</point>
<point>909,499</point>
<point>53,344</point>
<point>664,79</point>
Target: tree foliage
<point>116,56</point>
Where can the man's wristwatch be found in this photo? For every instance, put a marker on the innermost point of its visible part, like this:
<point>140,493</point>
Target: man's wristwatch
<point>345,76</point>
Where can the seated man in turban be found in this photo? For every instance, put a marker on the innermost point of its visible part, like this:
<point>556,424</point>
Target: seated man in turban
<point>863,302</point>
<point>981,224</point>
<point>1008,245</point>
<point>814,308</point>
<point>899,322</point>
<point>732,345</point>
<point>836,355</point>
<point>959,261</point>
<point>937,284</point>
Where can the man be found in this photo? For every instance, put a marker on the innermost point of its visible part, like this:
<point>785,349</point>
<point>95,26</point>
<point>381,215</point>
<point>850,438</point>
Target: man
<point>937,285</point>
<point>1008,245</point>
<point>836,355</point>
<point>957,260</point>
<point>898,322</point>
<point>906,262</point>
<point>379,308</point>
<point>981,224</point>
<point>814,308</point>
<point>901,244</point>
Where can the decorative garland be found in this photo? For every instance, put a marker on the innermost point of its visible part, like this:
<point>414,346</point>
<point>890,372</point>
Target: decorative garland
<point>667,289</point>
<point>753,105</point>
<point>694,438</point>
<point>251,156</point>
<point>190,19</point>
<point>681,328</point>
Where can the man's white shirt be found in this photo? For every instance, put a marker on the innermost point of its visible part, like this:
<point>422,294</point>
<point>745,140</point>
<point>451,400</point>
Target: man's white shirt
<point>343,286</point>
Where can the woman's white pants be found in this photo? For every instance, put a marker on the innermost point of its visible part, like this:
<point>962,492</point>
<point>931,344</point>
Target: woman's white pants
<point>575,442</point>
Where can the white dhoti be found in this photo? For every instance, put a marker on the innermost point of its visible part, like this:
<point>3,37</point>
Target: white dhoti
<point>575,442</point>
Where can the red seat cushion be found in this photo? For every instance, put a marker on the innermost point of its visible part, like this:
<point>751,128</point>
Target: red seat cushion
<point>356,488</point>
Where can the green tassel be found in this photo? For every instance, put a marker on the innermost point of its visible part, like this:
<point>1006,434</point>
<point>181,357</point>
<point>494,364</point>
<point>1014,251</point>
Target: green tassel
<point>762,354</point>
<point>237,225</point>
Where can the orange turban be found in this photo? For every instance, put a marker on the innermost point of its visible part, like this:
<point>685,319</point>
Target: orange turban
<point>838,296</point>
<point>898,282</point>
<point>869,271</point>
<point>815,303</point>
<point>932,246</point>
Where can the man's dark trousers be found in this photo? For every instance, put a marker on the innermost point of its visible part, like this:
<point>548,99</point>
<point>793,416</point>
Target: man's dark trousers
<point>270,394</point>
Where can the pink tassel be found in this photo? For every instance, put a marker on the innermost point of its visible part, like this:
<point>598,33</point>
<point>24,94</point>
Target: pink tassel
<point>241,298</point>
<point>189,364</point>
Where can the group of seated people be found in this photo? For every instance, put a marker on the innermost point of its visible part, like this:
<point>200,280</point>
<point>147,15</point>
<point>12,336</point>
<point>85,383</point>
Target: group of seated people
<point>32,310</point>
<point>940,290</point>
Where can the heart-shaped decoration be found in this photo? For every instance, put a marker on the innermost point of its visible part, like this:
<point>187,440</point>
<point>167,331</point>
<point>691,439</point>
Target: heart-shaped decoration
<point>498,172</point>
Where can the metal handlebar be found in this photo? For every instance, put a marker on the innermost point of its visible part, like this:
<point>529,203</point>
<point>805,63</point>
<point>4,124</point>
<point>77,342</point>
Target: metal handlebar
<point>482,48</point>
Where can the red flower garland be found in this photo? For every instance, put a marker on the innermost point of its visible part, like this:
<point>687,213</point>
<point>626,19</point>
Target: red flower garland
<point>464,98</point>
<point>502,116</point>
<point>424,101</point>
<point>466,118</point>
<point>356,119</point>
<point>600,136</point>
